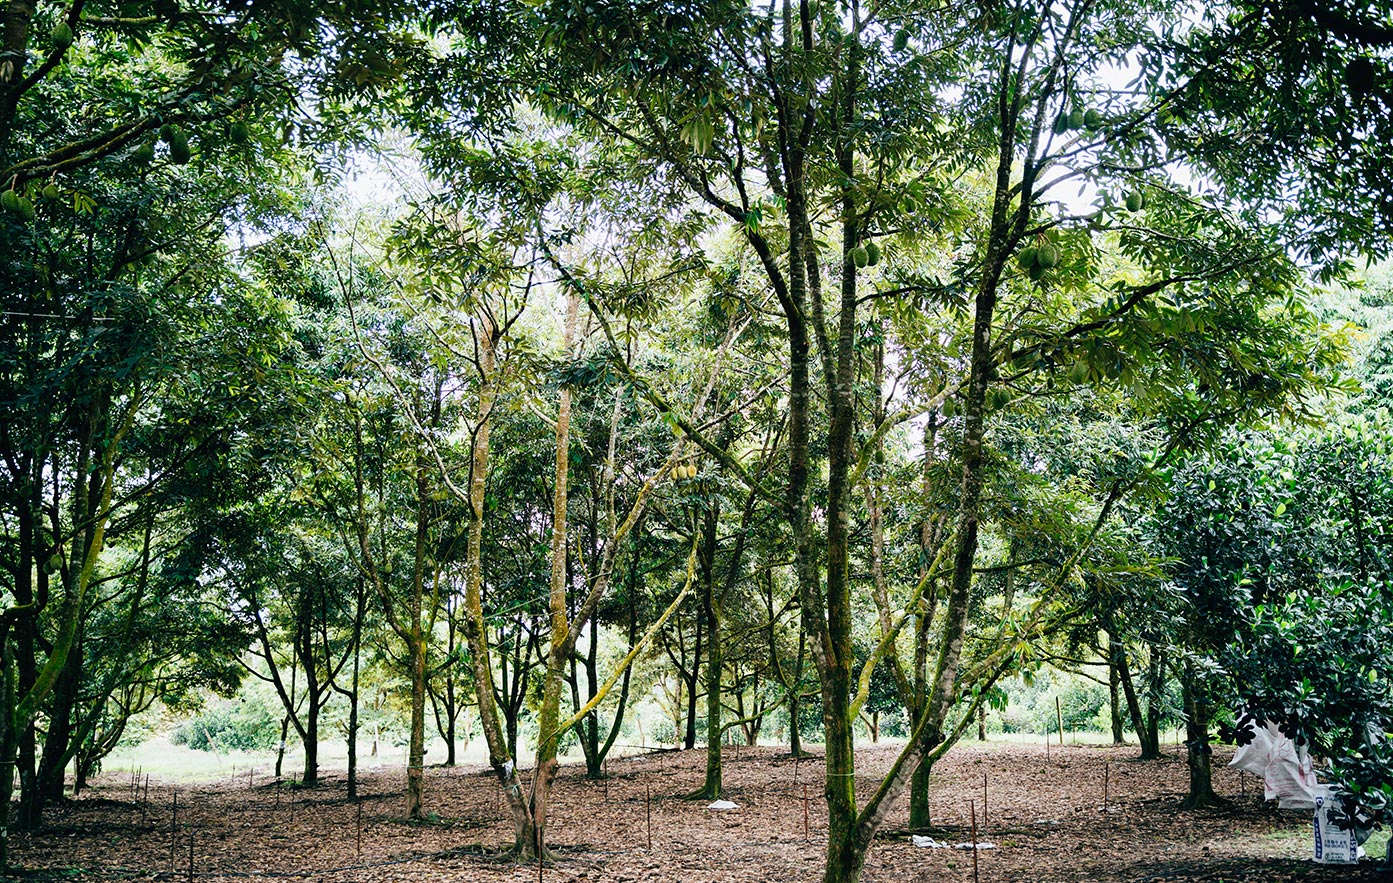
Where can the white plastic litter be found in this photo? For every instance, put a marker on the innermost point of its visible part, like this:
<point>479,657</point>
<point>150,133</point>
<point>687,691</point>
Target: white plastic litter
<point>723,804</point>
<point>930,843</point>
<point>1285,767</point>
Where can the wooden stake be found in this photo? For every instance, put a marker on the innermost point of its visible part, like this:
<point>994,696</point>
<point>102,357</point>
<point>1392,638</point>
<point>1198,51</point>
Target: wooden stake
<point>1047,743</point>
<point>973,806</point>
<point>1105,786</point>
<point>805,812</point>
<point>984,801</point>
<point>145,801</point>
<point>1059,716</point>
<point>190,857</point>
<point>360,829</point>
<point>648,813</point>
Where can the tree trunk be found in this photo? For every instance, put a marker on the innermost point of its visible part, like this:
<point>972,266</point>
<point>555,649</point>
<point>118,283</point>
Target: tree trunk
<point>353,710</point>
<point>416,750</point>
<point>1198,751</point>
<point>58,741</point>
<point>9,742</point>
<point>919,816</point>
<point>692,679</point>
<point>715,659</point>
<point>311,742</point>
<point>1150,733</point>
<point>280,749</point>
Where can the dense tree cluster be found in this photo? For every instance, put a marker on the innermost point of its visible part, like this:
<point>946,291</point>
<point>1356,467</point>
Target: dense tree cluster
<point>822,363</point>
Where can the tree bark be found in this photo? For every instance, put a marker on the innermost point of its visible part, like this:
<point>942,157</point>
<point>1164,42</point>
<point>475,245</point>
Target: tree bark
<point>1198,752</point>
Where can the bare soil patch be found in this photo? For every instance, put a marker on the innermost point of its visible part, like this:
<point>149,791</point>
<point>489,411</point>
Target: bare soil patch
<point>1045,816</point>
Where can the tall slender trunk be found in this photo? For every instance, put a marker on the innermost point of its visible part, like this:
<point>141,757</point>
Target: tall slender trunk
<point>692,679</point>
<point>353,725</point>
<point>1115,689</point>
<point>549,716</point>
<point>501,745</point>
<point>715,657</point>
<point>1150,733</point>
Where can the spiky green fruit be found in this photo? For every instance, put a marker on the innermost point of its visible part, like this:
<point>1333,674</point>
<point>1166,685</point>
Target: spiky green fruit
<point>859,256</point>
<point>144,154</point>
<point>1036,273</point>
<point>1135,202</point>
<point>1027,257</point>
<point>51,191</point>
<point>239,132</point>
<point>872,254</point>
<point>179,152</point>
<point>167,132</point>
<point>1092,119</point>
<point>1047,255</point>
<point>62,36</point>
<point>1061,124</point>
<point>9,201</point>
<point>54,562</point>
<point>1076,117</point>
<point>901,39</point>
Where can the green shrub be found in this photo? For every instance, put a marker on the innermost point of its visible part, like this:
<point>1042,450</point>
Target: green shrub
<point>228,726</point>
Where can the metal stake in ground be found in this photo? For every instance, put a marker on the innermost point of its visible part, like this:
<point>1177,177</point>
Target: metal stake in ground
<point>190,857</point>
<point>973,806</point>
<point>360,829</point>
<point>173,830</point>
<point>648,813</point>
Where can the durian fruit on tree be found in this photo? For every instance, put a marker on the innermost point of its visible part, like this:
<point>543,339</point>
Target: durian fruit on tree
<point>1135,201</point>
<point>61,36</point>
<point>179,153</point>
<point>1036,259</point>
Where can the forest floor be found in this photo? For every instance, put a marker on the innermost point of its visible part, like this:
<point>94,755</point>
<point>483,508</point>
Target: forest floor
<point>1045,816</point>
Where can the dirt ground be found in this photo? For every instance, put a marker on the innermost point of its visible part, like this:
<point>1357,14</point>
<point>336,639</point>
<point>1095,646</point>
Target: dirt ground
<point>1045,817</point>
